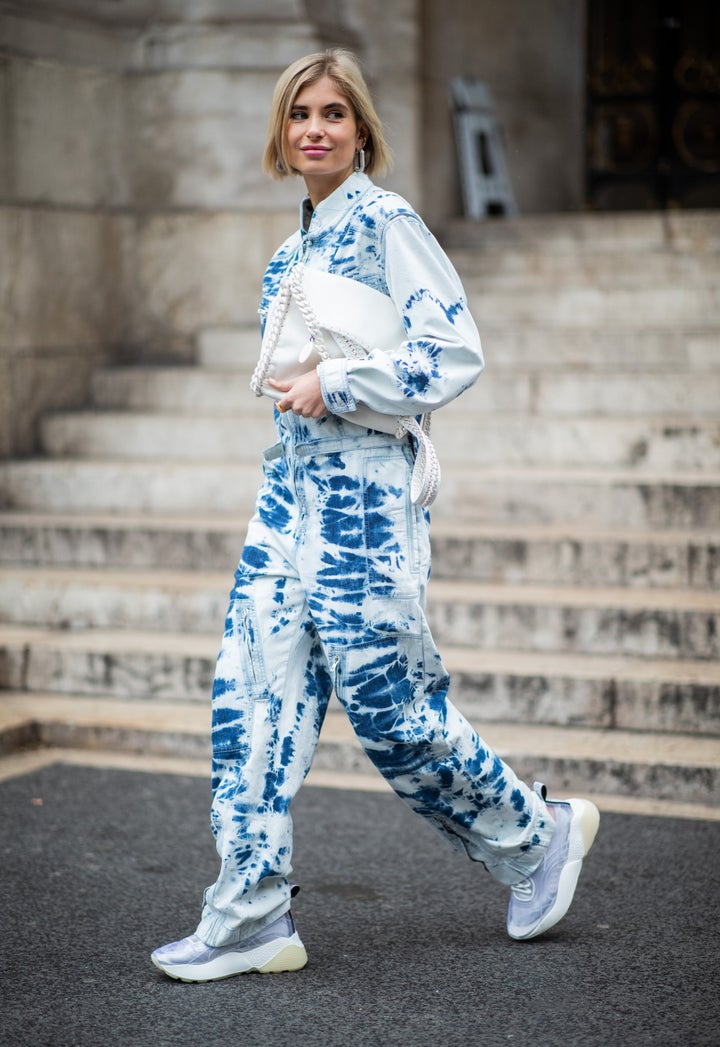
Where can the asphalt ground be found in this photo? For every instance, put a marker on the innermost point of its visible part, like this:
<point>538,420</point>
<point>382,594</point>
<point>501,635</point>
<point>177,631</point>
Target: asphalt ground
<point>406,938</point>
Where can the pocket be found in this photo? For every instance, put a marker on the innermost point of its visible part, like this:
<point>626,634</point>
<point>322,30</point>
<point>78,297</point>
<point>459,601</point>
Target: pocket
<point>246,634</point>
<point>390,523</point>
<point>274,500</point>
<point>240,681</point>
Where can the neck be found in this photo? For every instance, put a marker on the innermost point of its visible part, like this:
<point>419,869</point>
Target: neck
<point>320,187</point>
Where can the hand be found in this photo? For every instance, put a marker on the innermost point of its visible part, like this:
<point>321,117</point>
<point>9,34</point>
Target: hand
<point>302,395</point>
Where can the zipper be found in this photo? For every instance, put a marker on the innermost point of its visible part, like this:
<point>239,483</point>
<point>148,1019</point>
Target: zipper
<point>335,672</point>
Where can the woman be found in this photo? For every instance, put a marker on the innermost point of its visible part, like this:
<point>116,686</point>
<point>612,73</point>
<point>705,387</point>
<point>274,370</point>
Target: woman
<point>330,589</point>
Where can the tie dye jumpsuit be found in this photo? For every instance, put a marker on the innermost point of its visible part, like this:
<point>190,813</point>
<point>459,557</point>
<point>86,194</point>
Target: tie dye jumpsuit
<point>330,590</point>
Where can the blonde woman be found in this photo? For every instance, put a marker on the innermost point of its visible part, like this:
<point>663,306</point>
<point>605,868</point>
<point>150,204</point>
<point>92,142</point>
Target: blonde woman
<point>329,593</point>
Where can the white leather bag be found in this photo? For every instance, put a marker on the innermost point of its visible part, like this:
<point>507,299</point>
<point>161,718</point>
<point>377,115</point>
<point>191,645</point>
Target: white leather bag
<point>319,316</point>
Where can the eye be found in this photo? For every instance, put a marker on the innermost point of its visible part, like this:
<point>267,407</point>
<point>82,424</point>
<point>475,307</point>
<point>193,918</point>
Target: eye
<point>336,114</point>
<point>298,114</point>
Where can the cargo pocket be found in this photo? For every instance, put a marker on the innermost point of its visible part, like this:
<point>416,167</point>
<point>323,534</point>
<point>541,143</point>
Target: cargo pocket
<point>239,683</point>
<point>390,524</point>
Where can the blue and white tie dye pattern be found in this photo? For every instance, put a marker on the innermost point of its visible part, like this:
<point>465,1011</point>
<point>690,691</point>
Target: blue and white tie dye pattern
<point>330,592</point>
<point>372,236</point>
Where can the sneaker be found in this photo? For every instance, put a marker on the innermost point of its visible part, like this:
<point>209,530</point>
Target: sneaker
<point>541,901</point>
<point>275,948</point>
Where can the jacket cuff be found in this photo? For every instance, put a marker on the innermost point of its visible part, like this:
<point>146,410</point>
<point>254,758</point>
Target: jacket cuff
<point>334,386</point>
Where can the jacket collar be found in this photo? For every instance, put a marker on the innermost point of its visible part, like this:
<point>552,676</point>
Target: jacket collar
<point>330,211</point>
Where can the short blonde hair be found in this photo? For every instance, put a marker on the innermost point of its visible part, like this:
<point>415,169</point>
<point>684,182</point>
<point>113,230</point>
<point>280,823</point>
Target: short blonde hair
<point>344,69</point>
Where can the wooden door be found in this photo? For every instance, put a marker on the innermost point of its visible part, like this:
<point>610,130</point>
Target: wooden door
<point>653,104</point>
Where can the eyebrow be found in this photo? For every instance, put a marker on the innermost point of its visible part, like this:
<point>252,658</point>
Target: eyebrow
<point>330,105</point>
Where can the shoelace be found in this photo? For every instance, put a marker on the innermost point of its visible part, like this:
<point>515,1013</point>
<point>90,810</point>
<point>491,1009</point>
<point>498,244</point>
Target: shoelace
<point>523,891</point>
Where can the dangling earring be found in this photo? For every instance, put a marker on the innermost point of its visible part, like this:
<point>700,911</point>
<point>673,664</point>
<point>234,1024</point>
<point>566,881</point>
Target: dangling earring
<point>359,165</point>
<point>280,167</point>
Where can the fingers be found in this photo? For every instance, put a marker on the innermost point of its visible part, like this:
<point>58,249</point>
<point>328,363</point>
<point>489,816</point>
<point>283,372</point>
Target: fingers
<point>309,411</point>
<point>282,387</point>
<point>302,396</point>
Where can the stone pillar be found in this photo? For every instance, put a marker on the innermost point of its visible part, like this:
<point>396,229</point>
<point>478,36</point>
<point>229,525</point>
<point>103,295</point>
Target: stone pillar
<point>388,41</point>
<point>63,236</point>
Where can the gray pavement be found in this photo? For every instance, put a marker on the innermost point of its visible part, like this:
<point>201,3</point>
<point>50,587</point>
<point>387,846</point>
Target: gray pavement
<point>405,937</point>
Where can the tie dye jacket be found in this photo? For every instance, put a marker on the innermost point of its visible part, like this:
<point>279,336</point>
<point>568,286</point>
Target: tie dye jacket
<point>367,234</point>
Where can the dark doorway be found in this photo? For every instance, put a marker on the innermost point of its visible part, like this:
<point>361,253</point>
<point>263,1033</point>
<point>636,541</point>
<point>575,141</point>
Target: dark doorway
<point>653,104</point>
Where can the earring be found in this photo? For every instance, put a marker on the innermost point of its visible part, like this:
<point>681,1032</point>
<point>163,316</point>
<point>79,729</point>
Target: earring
<point>359,165</point>
<point>280,167</point>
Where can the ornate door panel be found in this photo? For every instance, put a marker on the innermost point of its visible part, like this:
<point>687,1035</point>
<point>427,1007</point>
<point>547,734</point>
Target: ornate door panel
<point>653,104</point>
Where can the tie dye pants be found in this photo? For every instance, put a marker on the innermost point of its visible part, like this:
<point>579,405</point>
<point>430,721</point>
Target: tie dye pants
<point>329,595</point>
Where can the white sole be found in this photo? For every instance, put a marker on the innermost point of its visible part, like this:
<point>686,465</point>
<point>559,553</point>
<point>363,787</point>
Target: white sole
<point>264,959</point>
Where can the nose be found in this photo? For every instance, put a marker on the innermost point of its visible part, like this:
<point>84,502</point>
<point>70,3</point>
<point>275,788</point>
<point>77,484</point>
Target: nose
<point>315,128</point>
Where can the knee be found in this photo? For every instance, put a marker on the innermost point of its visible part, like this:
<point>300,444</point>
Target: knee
<point>401,739</point>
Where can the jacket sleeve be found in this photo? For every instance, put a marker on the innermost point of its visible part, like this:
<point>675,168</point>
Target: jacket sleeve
<point>441,355</point>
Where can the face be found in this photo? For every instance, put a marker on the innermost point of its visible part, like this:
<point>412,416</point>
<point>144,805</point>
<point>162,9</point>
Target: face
<point>322,137</point>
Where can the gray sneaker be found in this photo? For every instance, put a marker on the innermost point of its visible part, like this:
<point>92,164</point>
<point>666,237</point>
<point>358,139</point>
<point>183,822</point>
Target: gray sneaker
<point>275,948</point>
<point>540,901</point>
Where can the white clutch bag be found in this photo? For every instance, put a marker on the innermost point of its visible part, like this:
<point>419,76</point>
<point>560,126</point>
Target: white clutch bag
<point>319,316</point>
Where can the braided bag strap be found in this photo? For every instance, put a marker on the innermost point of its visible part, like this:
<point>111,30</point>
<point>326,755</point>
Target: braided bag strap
<point>276,319</point>
<point>291,288</point>
<point>426,474</point>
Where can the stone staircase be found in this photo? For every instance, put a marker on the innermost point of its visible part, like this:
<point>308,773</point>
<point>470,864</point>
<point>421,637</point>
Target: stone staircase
<point>576,570</point>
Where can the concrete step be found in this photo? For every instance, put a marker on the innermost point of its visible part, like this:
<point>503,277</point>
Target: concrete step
<point>597,350</point>
<point>558,555</point>
<point>461,438</point>
<point>662,766</point>
<point>616,308</point>
<point>561,555</point>
<point>183,390</point>
<point>487,685</point>
<point>119,436</point>
<point>122,664</point>
<point>535,266</point>
<point>532,347</point>
<point>657,623</point>
<point>653,395</point>
<point>603,498</point>
<point>199,391</point>
<point>221,347</point>
<point>578,234</point>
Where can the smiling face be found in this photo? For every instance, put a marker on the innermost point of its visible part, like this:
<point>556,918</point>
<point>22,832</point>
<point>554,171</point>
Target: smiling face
<point>322,137</point>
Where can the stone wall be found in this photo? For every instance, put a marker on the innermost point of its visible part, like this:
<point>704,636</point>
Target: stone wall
<point>64,249</point>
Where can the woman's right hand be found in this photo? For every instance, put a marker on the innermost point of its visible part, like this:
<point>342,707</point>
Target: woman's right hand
<point>302,395</point>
